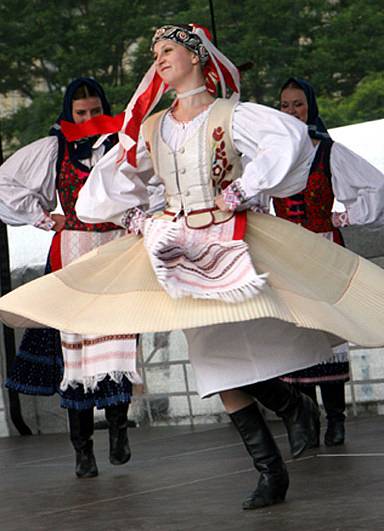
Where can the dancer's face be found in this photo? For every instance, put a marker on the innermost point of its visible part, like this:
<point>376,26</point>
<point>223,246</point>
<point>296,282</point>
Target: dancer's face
<point>173,62</point>
<point>294,102</point>
<point>86,108</point>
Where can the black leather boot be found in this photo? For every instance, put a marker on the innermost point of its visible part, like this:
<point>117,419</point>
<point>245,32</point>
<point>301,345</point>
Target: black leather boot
<point>273,481</point>
<point>119,450</point>
<point>85,462</point>
<point>333,395</point>
<point>335,434</point>
<point>81,431</point>
<point>299,413</point>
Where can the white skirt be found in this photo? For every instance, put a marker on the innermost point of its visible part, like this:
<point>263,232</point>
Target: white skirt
<point>236,354</point>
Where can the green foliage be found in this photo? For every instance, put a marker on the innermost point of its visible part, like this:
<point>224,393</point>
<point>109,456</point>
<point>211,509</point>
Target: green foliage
<point>31,122</point>
<point>45,44</point>
<point>366,103</point>
<point>335,44</point>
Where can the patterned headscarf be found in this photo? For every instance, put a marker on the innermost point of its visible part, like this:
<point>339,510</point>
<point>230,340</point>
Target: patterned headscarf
<point>316,126</point>
<point>82,147</point>
<point>182,34</point>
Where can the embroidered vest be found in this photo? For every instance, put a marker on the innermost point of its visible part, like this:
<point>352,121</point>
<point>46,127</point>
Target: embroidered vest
<point>201,168</point>
<point>70,180</point>
<point>312,208</point>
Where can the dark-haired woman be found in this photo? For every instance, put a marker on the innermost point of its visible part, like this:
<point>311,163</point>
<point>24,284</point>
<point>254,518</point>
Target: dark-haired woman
<point>96,370</point>
<point>336,172</point>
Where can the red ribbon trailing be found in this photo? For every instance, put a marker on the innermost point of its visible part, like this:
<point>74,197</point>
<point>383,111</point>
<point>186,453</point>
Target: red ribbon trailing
<point>99,125</point>
<point>140,110</point>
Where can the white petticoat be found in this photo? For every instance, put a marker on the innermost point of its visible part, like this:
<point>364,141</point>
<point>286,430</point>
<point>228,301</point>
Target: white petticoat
<point>236,354</point>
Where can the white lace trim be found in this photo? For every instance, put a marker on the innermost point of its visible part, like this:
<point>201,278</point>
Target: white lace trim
<point>90,383</point>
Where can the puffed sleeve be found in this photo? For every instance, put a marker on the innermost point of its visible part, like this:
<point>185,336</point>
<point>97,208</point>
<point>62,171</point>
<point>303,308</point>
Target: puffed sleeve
<point>358,185</point>
<point>277,148</point>
<point>112,190</point>
<point>28,184</point>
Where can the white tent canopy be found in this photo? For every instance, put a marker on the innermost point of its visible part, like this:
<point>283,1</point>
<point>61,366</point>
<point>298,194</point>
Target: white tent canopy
<point>366,139</point>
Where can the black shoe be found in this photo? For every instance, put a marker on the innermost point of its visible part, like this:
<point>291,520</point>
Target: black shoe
<point>303,426</point>
<point>273,481</point>
<point>335,434</point>
<point>86,463</point>
<point>117,419</point>
<point>119,450</point>
<point>271,489</point>
<point>299,413</point>
<point>81,430</point>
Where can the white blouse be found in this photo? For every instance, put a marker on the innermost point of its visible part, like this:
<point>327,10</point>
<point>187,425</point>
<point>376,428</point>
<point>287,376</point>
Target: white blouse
<point>358,185</point>
<point>276,155</point>
<point>28,182</point>
<point>276,150</point>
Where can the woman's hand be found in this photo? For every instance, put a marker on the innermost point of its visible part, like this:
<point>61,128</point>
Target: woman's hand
<point>134,220</point>
<point>221,204</point>
<point>340,219</point>
<point>59,220</point>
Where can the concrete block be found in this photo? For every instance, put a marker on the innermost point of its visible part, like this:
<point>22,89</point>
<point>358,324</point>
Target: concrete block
<point>365,241</point>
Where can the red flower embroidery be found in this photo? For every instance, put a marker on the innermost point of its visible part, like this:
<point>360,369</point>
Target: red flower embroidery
<point>318,200</point>
<point>216,170</point>
<point>218,133</point>
<point>70,180</point>
<point>221,165</point>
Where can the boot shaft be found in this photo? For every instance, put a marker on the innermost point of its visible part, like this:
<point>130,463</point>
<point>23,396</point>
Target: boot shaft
<point>80,427</point>
<point>257,438</point>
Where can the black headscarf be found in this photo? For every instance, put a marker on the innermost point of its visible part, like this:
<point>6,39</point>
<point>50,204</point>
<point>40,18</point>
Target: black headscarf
<point>316,126</point>
<point>81,149</point>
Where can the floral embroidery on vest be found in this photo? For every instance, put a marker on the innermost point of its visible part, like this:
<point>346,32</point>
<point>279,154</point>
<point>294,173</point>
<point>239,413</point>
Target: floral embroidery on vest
<point>312,208</point>
<point>69,183</point>
<point>220,165</point>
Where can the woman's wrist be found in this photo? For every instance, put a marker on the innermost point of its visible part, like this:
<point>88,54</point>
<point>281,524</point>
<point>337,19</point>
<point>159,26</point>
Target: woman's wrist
<point>133,220</point>
<point>45,222</point>
<point>340,219</point>
<point>233,195</point>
